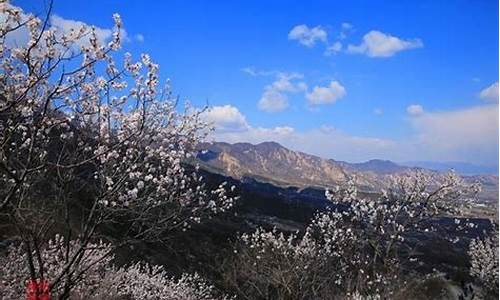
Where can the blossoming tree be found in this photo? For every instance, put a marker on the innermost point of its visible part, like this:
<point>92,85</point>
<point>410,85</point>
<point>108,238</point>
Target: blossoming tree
<point>354,249</point>
<point>100,279</point>
<point>483,255</point>
<point>91,147</point>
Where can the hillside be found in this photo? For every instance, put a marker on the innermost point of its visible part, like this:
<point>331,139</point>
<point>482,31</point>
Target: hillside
<point>273,163</point>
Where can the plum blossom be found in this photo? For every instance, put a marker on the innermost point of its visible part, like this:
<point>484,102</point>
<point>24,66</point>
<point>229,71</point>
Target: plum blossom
<point>355,246</point>
<point>484,261</point>
<point>82,128</point>
<point>98,278</point>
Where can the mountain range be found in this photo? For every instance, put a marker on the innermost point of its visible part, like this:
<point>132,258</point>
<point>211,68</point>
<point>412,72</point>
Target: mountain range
<point>270,162</point>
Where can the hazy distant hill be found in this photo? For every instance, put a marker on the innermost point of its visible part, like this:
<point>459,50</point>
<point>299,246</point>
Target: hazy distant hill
<point>273,163</point>
<point>459,167</point>
<point>375,165</point>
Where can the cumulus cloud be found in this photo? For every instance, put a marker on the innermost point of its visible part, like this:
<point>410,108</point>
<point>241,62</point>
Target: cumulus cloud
<point>379,44</point>
<point>415,110</point>
<point>469,135</point>
<point>326,94</point>
<point>60,25</point>
<point>226,118</point>
<point>308,36</point>
<point>273,100</point>
<point>63,26</point>
<point>490,93</point>
<point>67,25</point>
<point>274,97</point>
<point>325,141</point>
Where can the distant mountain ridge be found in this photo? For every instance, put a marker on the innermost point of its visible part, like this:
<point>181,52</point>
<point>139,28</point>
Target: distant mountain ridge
<point>376,165</point>
<point>271,162</point>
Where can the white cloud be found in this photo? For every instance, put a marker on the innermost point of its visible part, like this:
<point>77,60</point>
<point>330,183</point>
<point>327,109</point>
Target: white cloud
<point>274,98</point>
<point>333,48</point>
<point>64,26</point>
<point>463,135</point>
<point>415,110</point>
<point>469,135</point>
<point>252,71</point>
<point>345,30</point>
<point>379,44</point>
<point>325,141</point>
<point>308,36</point>
<point>378,111</point>
<point>139,37</point>
<point>262,134</point>
<point>337,46</point>
<point>226,118</point>
<point>346,26</point>
<point>284,83</point>
<point>490,93</point>
<point>20,37</point>
<point>327,94</point>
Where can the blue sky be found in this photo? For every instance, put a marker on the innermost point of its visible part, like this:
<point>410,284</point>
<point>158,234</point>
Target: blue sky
<point>349,80</point>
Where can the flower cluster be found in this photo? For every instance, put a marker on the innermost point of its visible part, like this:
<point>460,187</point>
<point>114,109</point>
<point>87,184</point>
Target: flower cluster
<point>141,281</point>
<point>53,258</point>
<point>483,255</point>
<point>98,278</point>
<point>412,199</point>
<point>57,119</point>
<point>321,262</point>
<point>89,141</point>
<point>354,248</point>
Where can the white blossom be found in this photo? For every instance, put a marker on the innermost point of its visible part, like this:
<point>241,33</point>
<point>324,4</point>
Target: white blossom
<point>483,255</point>
<point>88,131</point>
<point>98,278</point>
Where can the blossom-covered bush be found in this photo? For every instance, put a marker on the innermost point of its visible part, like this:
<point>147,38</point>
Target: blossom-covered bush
<point>97,278</point>
<point>86,277</point>
<point>141,281</point>
<point>92,146</point>
<point>272,265</point>
<point>412,200</point>
<point>352,249</point>
<point>483,255</point>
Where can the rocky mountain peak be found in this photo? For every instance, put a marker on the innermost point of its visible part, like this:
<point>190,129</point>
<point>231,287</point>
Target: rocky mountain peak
<point>273,163</point>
